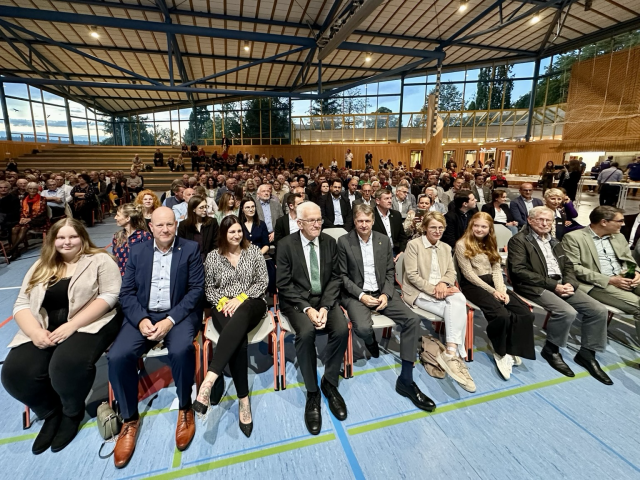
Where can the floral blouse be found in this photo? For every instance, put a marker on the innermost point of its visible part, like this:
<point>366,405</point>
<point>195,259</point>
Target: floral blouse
<point>122,252</point>
<point>221,279</point>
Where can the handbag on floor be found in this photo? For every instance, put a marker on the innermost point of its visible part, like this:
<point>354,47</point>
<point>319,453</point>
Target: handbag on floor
<point>430,348</point>
<point>109,424</point>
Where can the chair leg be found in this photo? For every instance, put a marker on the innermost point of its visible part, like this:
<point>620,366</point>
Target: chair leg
<point>469,336</point>
<point>546,319</point>
<point>270,345</point>
<point>4,253</point>
<point>26,418</point>
<point>274,340</point>
<point>283,362</point>
<point>198,364</point>
<point>609,318</point>
<point>111,395</point>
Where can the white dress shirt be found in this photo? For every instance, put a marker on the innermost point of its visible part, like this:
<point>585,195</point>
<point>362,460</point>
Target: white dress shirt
<point>293,225</point>
<point>306,249</point>
<point>387,224</point>
<point>528,204</point>
<point>370,283</point>
<point>553,268</point>
<point>337,211</point>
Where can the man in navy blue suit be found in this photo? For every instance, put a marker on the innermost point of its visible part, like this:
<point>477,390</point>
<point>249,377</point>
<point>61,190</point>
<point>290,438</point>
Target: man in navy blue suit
<point>161,297</point>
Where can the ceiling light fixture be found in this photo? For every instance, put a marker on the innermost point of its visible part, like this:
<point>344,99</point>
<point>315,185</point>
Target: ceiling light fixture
<point>246,46</point>
<point>94,32</point>
<point>535,19</point>
<point>367,58</point>
<point>464,4</point>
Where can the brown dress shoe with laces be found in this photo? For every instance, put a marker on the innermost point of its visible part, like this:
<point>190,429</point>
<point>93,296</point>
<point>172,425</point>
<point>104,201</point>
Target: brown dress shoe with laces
<point>126,443</point>
<point>185,429</point>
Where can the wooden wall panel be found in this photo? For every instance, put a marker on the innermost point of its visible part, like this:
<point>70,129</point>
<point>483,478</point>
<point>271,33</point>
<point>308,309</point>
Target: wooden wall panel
<point>15,149</point>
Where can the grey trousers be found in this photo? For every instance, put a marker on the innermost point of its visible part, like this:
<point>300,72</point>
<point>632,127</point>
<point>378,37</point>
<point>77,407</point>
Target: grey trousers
<point>563,313</point>
<point>409,322</point>
<point>627,301</point>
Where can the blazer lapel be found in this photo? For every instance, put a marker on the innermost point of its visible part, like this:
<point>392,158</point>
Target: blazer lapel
<point>83,264</point>
<point>354,242</point>
<point>299,253</point>
<point>380,260</point>
<point>175,263</point>
<point>592,249</point>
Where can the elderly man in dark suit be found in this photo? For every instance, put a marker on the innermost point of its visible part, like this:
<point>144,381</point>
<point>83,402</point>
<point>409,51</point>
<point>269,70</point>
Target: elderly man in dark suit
<point>351,193</point>
<point>368,271</point>
<point>367,196</point>
<point>308,281</point>
<point>336,211</point>
<point>522,205</point>
<point>268,208</point>
<point>389,222</point>
<point>161,297</point>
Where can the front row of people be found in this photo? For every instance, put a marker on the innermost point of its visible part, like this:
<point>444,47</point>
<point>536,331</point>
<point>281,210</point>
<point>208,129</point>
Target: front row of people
<point>68,315</point>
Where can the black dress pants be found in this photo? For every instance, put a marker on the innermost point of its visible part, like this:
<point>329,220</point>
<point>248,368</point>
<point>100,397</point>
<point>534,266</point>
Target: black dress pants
<point>61,376</point>
<point>338,331</point>
<point>510,326</point>
<point>232,344</point>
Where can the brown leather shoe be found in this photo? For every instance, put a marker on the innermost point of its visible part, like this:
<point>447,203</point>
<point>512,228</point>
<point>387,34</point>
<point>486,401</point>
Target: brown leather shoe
<point>185,429</point>
<point>126,443</point>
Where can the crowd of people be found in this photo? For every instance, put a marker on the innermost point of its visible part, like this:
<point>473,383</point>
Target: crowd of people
<point>220,241</point>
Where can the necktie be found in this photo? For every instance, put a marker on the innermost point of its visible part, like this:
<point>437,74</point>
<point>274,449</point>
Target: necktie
<point>314,273</point>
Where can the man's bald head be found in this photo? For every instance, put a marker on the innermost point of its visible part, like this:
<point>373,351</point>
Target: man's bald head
<point>163,226</point>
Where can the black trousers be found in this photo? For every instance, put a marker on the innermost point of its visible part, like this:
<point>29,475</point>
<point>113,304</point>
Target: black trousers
<point>61,376</point>
<point>510,326</point>
<point>609,194</point>
<point>232,344</point>
<point>338,331</point>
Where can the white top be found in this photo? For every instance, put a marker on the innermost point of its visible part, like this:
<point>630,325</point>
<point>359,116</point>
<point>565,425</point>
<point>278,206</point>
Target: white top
<point>337,210</point>
<point>528,204</point>
<point>634,229</point>
<point>370,282</point>
<point>500,217</point>
<point>348,157</point>
<point>293,225</point>
<point>387,224</point>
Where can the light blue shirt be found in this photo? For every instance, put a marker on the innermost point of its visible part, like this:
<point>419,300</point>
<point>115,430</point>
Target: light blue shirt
<point>180,211</point>
<point>609,263</point>
<point>160,294</point>
<point>337,210</point>
<point>266,210</point>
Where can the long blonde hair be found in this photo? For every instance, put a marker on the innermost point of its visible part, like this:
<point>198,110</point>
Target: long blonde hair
<point>136,220</point>
<point>488,245</point>
<point>50,267</point>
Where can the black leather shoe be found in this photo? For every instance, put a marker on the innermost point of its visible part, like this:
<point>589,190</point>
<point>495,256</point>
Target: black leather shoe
<point>413,393</point>
<point>593,367</point>
<point>313,413</point>
<point>557,363</point>
<point>47,433</point>
<point>217,391</point>
<point>336,402</point>
<point>374,349</point>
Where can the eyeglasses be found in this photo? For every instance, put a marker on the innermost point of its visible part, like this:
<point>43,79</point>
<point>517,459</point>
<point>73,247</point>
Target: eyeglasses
<point>311,221</point>
<point>436,229</point>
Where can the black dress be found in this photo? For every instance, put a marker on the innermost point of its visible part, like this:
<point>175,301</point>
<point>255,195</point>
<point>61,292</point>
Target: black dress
<point>56,303</point>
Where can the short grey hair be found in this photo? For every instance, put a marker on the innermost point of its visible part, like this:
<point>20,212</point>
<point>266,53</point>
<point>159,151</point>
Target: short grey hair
<point>305,206</point>
<point>553,192</point>
<point>382,191</point>
<point>536,211</point>
<point>364,208</point>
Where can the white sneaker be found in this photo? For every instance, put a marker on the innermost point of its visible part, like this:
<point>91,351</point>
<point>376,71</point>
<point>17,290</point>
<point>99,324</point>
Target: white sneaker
<point>455,367</point>
<point>504,365</point>
<point>517,361</point>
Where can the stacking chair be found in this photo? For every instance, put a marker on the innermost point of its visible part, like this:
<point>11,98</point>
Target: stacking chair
<point>265,330</point>
<point>335,232</point>
<point>503,235</point>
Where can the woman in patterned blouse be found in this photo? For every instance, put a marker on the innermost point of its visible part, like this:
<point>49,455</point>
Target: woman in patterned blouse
<point>235,283</point>
<point>84,200</point>
<point>134,230</point>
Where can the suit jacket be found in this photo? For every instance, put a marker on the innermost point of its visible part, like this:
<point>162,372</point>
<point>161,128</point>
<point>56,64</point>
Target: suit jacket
<point>528,268</point>
<point>345,195</point>
<point>187,282</point>
<point>417,268</point>
<point>209,234</point>
<point>519,210</point>
<point>486,192</point>
<point>491,210</point>
<point>371,202</point>
<point>629,220</point>
<point>292,275</point>
<point>409,204</point>
<point>276,211</point>
<point>329,215</point>
<point>352,265</point>
<point>281,229</point>
<point>398,234</point>
<point>96,276</point>
<point>582,253</point>
<point>455,226</point>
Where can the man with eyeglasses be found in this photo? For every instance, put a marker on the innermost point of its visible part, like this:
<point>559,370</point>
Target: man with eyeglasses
<point>522,205</point>
<point>540,270</point>
<point>308,280</point>
<point>612,277</point>
<point>367,196</point>
<point>402,200</point>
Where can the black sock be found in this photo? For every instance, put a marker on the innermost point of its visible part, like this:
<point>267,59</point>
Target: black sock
<point>586,353</point>
<point>406,374</point>
<point>132,418</point>
<point>550,347</point>
<point>312,394</point>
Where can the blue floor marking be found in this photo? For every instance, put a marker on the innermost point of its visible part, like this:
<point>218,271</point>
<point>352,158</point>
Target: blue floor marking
<point>559,410</point>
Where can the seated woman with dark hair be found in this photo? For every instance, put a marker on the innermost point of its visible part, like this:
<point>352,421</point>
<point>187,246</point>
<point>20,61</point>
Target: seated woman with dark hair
<point>500,211</point>
<point>67,318</point>
<point>235,283</point>
<point>33,214</point>
<point>199,227</point>
<point>255,230</point>
<point>320,192</point>
<point>84,200</point>
<point>510,322</point>
<point>134,230</point>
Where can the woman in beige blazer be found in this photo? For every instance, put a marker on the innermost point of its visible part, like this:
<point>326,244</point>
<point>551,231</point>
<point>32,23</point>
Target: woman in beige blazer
<point>428,282</point>
<point>67,314</point>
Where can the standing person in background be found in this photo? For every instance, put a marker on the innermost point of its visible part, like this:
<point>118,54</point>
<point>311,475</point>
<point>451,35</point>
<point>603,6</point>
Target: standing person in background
<point>148,201</point>
<point>348,159</point>
<point>633,171</point>
<point>133,230</point>
<point>595,171</point>
<point>368,159</point>
<point>547,174</point>
<point>571,183</point>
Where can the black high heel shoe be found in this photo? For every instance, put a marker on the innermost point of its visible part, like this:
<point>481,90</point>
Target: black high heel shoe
<point>202,407</point>
<point>245,428</point>
<point>213,397</point>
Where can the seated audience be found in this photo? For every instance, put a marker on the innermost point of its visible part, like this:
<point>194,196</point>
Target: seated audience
<point>500,181</point>
<point>172,314</point>
<point>171,163</point>
<point>288,223</point>
<point>540,270</point>
<point>177,188</point>
<point>436,204</point>
<point>235,281</point>
<point>33,215</point>
<point>226,206</point>
<point>199,227</point>
<point>389,222</point>
<point>158,158</point>
<point>180,209</point>
<point>134,230</point>
<point>336,210</point>
<point>522,205</point>
<point>457,218</point>
<point>509,320</point>
<point>55,198</point>
<point>351,193</point>
<point>180,164</point>
<point>66,316</point>
<point>612,277</point>
<point>134,182</point>
<point>149,202</point>
<point>255,230</point>
<point>428,282</point>
<point>366,264</point>
<point>402,200</point>
<point>9,209</point>
<point>367,196</point>
<point>481,190</point>
<point>319,195</point>
<point>449,194</point>
<point>500,211</point>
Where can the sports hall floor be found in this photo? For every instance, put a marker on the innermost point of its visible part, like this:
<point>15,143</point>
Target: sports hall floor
<point>537,425</point>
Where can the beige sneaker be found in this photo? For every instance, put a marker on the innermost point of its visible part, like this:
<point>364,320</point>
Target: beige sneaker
<point>449,365</point>
<point>517,361</point>
<point>468,384</point>
<point>504,365</point>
